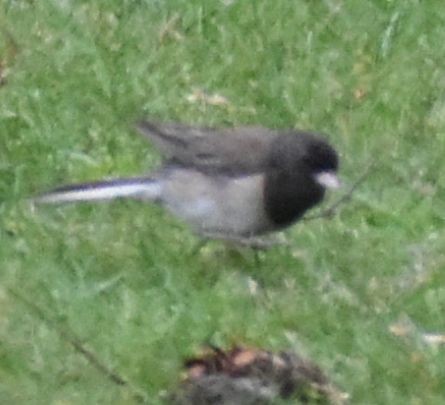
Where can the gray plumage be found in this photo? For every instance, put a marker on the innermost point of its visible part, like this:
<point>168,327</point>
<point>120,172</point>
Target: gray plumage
<point>238,182</point>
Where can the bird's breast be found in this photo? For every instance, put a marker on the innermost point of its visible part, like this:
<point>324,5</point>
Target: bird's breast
<point>231,205</point>
<point>288,196</point>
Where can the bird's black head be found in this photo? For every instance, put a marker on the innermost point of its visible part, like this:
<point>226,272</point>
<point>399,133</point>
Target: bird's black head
<point>319,156</point>
<point>301,167</point>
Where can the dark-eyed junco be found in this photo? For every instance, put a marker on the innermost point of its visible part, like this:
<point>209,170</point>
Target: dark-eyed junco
<point>225,183</point>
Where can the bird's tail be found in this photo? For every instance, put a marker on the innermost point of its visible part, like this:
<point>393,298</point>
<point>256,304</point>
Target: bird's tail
<point>138,188</point>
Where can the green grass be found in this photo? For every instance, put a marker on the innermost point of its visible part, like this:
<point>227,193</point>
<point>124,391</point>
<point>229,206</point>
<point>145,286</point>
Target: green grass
<point>123,277</point>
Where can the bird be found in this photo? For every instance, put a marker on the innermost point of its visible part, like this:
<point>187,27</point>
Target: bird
<point>234,183</point>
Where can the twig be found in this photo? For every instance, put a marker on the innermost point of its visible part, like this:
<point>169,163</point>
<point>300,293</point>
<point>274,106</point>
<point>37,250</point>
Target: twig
<point>253,242</point>
<point>169,29</point>
<point>330,211</point>
<point>75,342</point>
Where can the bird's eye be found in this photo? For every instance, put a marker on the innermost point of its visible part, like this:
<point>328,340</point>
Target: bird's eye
<point>321,157</point>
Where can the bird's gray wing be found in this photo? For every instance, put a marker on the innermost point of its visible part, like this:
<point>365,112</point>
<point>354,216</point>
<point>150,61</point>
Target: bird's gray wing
<point>237,151</point>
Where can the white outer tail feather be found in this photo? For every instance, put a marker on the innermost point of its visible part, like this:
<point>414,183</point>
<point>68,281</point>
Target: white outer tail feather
<point>148,189</point>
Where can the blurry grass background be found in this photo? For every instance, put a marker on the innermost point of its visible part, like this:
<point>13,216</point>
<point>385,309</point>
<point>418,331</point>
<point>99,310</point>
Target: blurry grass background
<point>355,293</point>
